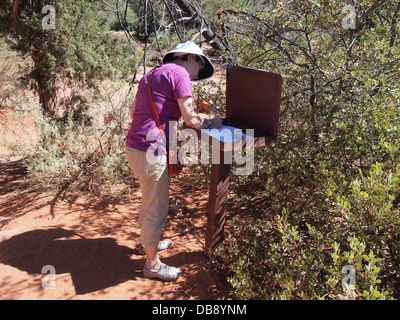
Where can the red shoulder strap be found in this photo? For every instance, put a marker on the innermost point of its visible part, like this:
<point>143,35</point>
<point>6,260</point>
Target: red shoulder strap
<point>153,107</point>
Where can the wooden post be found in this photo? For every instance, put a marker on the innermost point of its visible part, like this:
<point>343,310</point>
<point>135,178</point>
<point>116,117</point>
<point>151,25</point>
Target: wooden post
<point>216,210</point>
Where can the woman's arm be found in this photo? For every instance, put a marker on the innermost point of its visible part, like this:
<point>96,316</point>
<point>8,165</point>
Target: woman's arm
<point>133,107</point>
<point>192,119</point>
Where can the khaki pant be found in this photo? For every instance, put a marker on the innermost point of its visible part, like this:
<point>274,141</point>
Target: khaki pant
<point>154,185</point>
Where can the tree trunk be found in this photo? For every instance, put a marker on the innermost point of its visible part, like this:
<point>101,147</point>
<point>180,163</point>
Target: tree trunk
<point>48,100</point>
<point>15,11</point>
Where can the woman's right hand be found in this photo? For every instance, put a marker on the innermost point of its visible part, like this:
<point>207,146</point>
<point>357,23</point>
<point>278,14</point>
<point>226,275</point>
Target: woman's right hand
<point>216,123</point>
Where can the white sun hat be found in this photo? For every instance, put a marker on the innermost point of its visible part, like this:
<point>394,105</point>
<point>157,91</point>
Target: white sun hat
<point>192,48</point>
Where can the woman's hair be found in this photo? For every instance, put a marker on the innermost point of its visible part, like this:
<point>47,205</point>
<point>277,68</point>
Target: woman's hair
<point>185,57</point>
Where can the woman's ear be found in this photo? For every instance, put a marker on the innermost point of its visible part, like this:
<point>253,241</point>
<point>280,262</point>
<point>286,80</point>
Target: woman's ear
<point>192,57</point>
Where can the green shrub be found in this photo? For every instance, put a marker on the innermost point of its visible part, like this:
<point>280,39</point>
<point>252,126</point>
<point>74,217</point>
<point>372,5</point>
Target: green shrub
<point>85,151</point>
<point>327,192</point>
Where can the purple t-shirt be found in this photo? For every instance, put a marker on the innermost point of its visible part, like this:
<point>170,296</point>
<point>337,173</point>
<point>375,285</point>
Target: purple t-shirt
<point>170,82</point>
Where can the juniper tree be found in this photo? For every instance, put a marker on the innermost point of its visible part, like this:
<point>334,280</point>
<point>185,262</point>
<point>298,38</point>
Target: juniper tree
<point>69,42</point>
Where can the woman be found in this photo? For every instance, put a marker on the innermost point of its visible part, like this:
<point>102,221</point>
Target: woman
<point>171,92</point>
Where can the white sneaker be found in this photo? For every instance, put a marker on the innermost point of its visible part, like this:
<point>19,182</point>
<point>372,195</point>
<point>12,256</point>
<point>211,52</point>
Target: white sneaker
<point>165,272</point>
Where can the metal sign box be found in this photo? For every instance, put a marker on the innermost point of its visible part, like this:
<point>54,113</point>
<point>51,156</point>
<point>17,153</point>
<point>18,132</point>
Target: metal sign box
<point>252,102</point>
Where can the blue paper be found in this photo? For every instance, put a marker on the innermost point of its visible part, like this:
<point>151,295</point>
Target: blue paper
<point>228,134</point>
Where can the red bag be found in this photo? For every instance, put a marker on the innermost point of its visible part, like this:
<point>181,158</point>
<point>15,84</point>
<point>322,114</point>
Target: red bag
<point>173,168</point>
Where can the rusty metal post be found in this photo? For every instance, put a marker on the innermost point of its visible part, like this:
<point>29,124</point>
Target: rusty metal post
<point>252,102</point>
<point>216,210</point>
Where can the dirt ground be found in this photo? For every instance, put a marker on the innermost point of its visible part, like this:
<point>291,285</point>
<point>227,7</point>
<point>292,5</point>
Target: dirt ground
<point>89,244</point>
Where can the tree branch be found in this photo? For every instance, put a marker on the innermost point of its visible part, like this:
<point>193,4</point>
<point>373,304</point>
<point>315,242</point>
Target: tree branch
<point>375,6</point>
<point>393,26</point>
<point>173,21</point>
<point>210,37</point>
